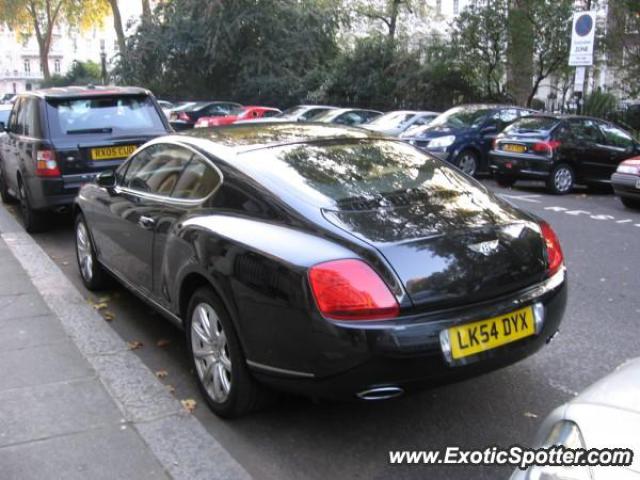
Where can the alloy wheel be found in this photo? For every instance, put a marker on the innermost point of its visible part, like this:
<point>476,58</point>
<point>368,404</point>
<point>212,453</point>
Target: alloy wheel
<point>85,255</point>
<point>211,352</point>
<point>563,179</point>
<point>468,163</point>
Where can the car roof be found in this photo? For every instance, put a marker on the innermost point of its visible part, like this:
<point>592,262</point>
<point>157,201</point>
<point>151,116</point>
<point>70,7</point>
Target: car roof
<point>239,138</point>
<point>86,91</point>
<point>566,116</point>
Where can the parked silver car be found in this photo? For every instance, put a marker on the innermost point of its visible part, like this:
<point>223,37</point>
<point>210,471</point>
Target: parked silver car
<point>396,122</point>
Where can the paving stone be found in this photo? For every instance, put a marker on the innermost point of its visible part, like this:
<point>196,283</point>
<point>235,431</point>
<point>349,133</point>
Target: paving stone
<point>24,332</point>
<point>38,412</point>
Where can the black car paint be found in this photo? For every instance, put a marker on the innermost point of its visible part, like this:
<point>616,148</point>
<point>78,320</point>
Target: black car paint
<point>254,246</point>
<point>591,161</point>
<point>18,151</point>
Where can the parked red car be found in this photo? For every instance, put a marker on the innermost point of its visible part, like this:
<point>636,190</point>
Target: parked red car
<point>241,113</point>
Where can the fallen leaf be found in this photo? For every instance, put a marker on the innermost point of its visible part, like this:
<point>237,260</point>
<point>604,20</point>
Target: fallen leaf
<point>100,306</point>
<point>530,415</point>
<point>189,404</point>
<point>65,263</point>
<point>104,299</point>
<point>134,344</point>
<point>162,373</point>
<point>163,342</point>
<point>108,316</point>
<point>171,389</point>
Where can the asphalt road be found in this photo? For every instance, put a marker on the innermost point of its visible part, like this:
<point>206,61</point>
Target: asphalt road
<point>297,438</point>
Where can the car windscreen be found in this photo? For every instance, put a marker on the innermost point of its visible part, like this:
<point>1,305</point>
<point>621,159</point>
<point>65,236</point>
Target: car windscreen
<point>292,112</point>
<point>347,175</point>
<point>462,117</point>
<point>391,120</point>
<point>532,125</point>
<point>105,114</point>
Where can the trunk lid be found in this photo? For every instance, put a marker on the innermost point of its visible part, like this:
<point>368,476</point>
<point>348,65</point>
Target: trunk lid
<point>451,248</point>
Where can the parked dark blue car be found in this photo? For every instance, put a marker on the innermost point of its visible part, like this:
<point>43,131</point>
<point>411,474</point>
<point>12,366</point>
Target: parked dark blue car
<point>463,135</point>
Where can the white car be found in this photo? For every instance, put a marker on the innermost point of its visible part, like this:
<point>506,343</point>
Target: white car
<point>605,415</point>
<point>396,122</point>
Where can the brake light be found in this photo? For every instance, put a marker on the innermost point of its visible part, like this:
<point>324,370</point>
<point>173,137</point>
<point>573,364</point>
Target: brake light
<point>351,290</point>
<point>46,165</point>
<point>184,116</point>
<point>202,123</point>
<point>555,256</point>
<point>545,147</point>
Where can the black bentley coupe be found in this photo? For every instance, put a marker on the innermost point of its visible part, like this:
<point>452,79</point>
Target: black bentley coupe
<point>321,260</point>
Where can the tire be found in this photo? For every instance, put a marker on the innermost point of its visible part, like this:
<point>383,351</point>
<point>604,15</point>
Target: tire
<point>505,181</point>
<point>33,220</point>
<point>467,161</point>
<point>93,275</point>
<point>222,373</point>
<point>630,202</point>
<point>4,191</point>
<point>561,179</point>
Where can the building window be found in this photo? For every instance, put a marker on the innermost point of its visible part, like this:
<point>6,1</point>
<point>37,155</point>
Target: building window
<point>439,7</point>
<point>27,67</point>
<point>456,7</point>
<point>56,66</point>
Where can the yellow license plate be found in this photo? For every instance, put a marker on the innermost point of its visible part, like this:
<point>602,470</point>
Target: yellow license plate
<point>508,147</point>
<point>477,337</point>
<point>109,153</point>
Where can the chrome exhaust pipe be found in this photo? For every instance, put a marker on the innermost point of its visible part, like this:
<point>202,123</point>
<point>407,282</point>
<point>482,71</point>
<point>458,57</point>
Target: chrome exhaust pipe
<point>380,393</point>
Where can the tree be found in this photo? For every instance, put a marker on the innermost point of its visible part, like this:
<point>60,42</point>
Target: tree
<point>622,43</point>
<point>388,12</point>
<point>40,17</point>
<point>80,73</point>
<point>551,22</point>
<point>249,50</point>
<point>480,37</point>
<point>117,25</point>
<point>520,51</point>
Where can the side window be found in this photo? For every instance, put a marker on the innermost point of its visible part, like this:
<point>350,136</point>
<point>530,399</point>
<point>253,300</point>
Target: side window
<point>616,137</point>
<point>20,117</point>
<point>15,112</point>
<point>270,113</point>
<point>156,169</point>
<point>586,131</point>
<point>31,118</point>
<point>312,113</point>
<point>197,181</point>
<point>508,115</point>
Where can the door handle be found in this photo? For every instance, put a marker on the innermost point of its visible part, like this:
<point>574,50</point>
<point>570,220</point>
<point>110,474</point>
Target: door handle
<point>146,222</point>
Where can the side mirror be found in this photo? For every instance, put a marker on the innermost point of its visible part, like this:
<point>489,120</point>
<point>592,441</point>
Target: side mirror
<point>106,179</point>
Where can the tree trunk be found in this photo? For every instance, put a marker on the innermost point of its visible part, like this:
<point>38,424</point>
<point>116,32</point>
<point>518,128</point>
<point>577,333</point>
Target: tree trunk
<point>519,52</point>
<point>534,90</point>
<point>117,25</point>
<point>146,9</point>
<point>393,19</point>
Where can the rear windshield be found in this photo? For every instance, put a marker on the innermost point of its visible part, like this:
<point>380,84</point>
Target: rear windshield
<point>533,124</point>
<point>355,175</point>
<point>105,114</point>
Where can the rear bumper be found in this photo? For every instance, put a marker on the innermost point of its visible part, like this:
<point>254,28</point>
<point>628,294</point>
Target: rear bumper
<point>46,193</point>
<point>520,165</point>
<point>626,185</point>
<point>408,353</point>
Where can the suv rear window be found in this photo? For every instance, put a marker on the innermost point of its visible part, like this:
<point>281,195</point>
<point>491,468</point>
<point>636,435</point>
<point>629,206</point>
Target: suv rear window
<point>105,114</point>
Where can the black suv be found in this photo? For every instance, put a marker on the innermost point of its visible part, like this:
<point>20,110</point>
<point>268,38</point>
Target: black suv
<point>59,138</point>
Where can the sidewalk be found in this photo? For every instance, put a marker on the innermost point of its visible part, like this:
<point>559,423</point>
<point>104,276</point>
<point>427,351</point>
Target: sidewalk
<point>75,403</point>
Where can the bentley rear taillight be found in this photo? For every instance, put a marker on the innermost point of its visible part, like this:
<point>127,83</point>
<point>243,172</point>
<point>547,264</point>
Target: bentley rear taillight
<point>555,257</point>
<point>351,290</point>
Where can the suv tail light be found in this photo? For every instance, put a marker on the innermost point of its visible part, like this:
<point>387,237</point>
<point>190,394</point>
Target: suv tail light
<point>546,148</point>
<point>46,165</point>
<point>555,256</point>
<point>351,290</point>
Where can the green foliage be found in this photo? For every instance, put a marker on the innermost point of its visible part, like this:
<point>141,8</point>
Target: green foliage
<point>81,73</point>
<point>599,104</point>
<point>249,50</point>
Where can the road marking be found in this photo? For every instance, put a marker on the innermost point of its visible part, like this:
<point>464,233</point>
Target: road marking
<point>524,198</point>
<point>556,209</point>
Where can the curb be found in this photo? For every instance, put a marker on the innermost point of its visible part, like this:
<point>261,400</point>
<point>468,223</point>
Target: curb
<point>176,438</point>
